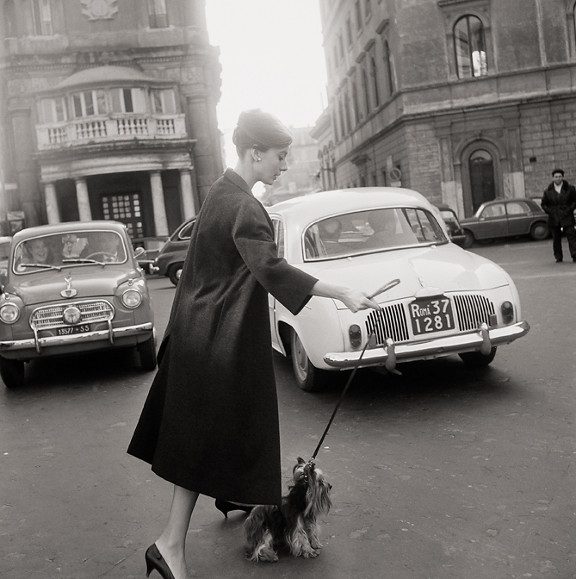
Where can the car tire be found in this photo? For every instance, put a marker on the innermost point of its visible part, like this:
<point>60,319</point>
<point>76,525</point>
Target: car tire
<point>13,373</point>
<point>477,359</point>
<point>175,272</point>
<point>308,377</point>
<point>147,354</point>
<point>468,239</point>
<point>539,231</point>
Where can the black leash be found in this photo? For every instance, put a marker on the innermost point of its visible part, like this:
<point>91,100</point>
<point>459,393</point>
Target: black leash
<point>350,378</point>
<point>383,289</point>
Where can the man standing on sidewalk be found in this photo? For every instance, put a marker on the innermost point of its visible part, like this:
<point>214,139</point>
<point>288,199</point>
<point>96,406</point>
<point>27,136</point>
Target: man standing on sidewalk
<point>559,201</point>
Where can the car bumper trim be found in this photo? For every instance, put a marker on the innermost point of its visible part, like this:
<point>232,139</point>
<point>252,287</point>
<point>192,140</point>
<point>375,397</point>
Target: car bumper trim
<point>389,354</point>
<point>93,336</point>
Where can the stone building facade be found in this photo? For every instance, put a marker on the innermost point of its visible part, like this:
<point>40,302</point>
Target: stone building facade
<point>107,111</point>
<point>462,100</point>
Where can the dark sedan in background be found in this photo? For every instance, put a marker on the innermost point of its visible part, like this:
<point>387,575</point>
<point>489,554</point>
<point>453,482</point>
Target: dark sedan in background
<point>171,257</point>
<point>503,218</point>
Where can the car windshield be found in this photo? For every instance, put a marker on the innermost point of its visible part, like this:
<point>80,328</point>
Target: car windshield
<point>371,231</point>
<point>59,250</point>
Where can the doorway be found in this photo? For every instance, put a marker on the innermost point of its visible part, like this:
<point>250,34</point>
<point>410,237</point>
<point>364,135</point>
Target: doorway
<point>126,208</point>
<point>482,179</point>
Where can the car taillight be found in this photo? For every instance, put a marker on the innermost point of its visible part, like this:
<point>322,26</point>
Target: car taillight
<point>507,309</point>
<point>355,335</point>
<point>9,313</point>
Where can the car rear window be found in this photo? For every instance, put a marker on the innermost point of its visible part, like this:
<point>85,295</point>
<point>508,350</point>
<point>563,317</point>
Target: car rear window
<point>371,231</point>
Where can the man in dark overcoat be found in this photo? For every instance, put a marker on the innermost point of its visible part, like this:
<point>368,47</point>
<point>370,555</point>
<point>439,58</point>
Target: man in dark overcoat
<point>559,202</point>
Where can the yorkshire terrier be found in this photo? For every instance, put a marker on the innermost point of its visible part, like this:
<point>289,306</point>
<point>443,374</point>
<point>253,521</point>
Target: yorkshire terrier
<point>293,524</point>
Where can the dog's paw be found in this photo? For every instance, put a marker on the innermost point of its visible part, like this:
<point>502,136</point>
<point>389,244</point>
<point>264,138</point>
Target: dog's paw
<point>263,556</point>
<point>310,553</point>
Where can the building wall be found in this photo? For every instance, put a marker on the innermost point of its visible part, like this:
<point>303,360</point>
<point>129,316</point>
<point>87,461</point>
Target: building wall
<point>433,125</point>
<point>82,37</point>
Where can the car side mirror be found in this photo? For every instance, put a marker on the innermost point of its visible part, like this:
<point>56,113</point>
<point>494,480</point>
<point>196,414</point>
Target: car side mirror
<point>139,251</point>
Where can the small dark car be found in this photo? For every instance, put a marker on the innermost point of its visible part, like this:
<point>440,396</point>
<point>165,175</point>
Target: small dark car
<point>171,257</point>
<point>453,225</point>
<point>506,218</point>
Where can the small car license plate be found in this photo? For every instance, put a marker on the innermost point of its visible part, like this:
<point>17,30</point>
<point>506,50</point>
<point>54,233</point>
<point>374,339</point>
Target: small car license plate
<point>431,315</point>
<point>80,329</point>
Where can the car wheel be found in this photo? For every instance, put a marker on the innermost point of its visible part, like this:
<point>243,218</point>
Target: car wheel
<point>175,272</point>
<point>308,377</point>
<point>539,231</point>
<point>477,359</point>
<point>147,353</point>
<point>468,239</point>
<point>13,372</point>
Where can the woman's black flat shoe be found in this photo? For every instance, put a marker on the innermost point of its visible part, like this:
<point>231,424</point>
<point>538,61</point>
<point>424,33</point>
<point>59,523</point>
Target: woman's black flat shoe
<point>225,507</point>
<point>155,561</point>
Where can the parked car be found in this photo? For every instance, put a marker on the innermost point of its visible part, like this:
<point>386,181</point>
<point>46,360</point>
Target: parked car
<point>72,288</point>
<point>448,301</point>
<point>455,231</point>
<point>506,218</point>
<point>151,246</point>
<point>171,257</point>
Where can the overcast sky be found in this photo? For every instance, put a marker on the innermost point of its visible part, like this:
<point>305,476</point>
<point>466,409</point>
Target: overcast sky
<point>272,58</point>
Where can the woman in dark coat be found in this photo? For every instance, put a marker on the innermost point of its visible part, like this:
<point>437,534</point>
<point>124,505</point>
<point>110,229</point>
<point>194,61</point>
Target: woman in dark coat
<point>210,422</point>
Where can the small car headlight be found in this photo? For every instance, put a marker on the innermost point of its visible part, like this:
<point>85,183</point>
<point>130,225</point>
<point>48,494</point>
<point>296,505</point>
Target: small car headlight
<point>355,335</point>
<point>131,298</point>
<point>9,313</point>
<point>507,309</point>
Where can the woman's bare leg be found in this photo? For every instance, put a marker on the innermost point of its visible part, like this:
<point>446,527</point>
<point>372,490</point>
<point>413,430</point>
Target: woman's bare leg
<point>172,541</point>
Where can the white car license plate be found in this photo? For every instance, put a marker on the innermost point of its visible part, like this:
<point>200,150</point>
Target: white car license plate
<point>82,328</point>
<point>431,315</point>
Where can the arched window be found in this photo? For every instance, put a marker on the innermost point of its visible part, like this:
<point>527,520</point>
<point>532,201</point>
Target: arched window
<point>10,27</point>
<point>388,68</point>
<point>470,47</point>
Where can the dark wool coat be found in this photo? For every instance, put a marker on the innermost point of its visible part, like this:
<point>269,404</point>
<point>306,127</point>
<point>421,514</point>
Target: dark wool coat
<point>560,206</point>
<point>210,422</point>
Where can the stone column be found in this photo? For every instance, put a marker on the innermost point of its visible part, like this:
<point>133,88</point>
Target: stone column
<point>187,194</point>
<point>160,220</point>
<point>52,211</point>
<point>84,212</point>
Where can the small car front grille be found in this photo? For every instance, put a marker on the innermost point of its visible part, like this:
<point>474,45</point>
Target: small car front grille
<point>390,322</point>
<point>472,310</point>
<point>50,317</point>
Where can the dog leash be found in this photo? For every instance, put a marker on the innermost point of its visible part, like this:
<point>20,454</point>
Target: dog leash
<point>381,290</point>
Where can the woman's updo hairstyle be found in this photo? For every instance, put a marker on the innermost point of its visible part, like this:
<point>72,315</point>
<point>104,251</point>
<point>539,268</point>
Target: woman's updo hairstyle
<point>261,130</point>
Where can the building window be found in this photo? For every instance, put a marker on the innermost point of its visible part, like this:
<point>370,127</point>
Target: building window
<point>357,112</point>
<point>163,101</point>
<point>128,100</point>
<point>10,26</point>
<point>388,68</point>
<point>335,124</point>
<point>366,90</point>
<point>42,17</point>
<point>52,110</point>
<point>88,103</point>
<point>158,16</point>
<point>470,47</point>
<point>358,8</point>
<point>335,55</point>
<point>341,46</point>
<point>347,113</point>
<point>374,75</point>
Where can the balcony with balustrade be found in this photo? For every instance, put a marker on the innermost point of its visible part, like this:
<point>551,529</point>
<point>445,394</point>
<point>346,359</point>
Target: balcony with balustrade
<point>117,128</point>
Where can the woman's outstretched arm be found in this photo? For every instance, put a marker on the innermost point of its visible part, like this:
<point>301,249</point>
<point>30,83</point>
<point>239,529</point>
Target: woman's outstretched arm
<point>353,299</point>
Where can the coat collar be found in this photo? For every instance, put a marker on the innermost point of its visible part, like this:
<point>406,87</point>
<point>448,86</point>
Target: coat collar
<point>231,175</point>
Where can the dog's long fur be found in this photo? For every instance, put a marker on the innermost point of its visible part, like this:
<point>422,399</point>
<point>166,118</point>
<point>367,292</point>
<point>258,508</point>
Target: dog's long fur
<point>294,524</point>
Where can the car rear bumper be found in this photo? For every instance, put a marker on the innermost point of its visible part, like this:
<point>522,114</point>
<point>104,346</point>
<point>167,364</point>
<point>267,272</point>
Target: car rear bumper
<point>482,340</point>
<point>110,336</point>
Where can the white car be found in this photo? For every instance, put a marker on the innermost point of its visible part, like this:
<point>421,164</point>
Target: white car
<point>447,300</point>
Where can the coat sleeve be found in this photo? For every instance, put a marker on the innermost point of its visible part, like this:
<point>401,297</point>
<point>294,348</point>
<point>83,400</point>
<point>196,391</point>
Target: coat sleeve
<point>254,240</point>
<point>544,203</point>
